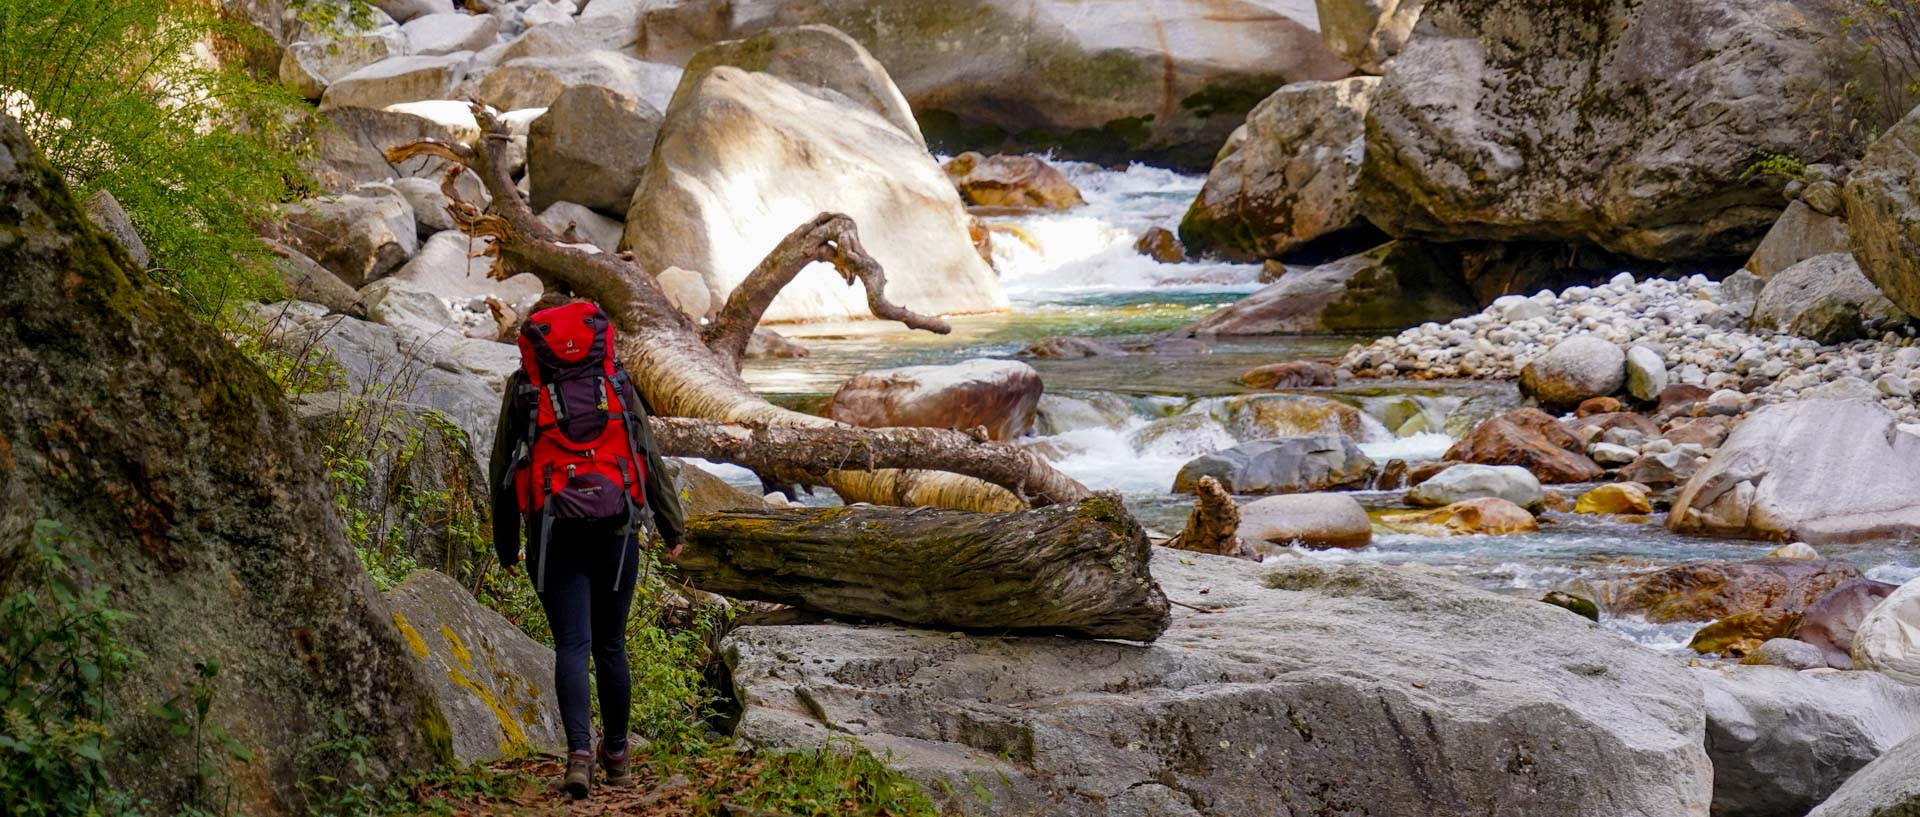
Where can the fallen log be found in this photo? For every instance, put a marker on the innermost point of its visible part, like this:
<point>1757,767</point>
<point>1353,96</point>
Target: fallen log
<point>1073,569</point>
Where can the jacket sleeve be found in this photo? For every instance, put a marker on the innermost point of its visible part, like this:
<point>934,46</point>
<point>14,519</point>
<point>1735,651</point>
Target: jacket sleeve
<point>663,497</point>
<point>507,433</point>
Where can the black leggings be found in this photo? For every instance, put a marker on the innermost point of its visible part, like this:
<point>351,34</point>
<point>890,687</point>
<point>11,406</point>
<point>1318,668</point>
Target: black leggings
<point>589,616</point>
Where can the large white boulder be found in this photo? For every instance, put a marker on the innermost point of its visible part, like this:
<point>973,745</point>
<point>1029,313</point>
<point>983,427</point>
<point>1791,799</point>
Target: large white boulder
<point>1888,638</point>
<point>1474,481</point>
<point>744,158</point>
<point>1165,80</point>
<point>1782,741</point>
<point>448,33</point>
<point>399,79</point>
<point>535,82</point>
<point>1814,471</point>
<point>817,59</point>
<point>1470,703</point>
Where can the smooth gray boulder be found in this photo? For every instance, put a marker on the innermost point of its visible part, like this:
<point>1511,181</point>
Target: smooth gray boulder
<point>1816,471</point>
<point>1394,286</point>
<point>818,59</point>
<point>359,237</point>
<point>1782,741</point>
<point>1484,704</point>
<point>1307,520</point>
<point>1473,481</point>
<point>1887,639</point>
<point>306,280</point>
<point>493,684</point>
<point>309,66</point>
<point>1888,787</point>
<point>1825,298</point>
<point>399,79</point>
<point>435,34</point>
<point>359,357</point>
<point>1646,373</point>
<point>1800,233</point>
<point>1573,370</point>
<point>535,82</point>
<point>1294,465</point>
<point>598,230</point>
<point>1287,177</point>
<point>350,146</point>
<point>590,147</point>
<point>1502,120</point>
<point>106,214</point>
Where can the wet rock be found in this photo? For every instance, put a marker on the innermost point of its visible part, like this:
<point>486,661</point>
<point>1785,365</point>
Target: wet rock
<point>1888,638</point>
<point>1785,652</point>
<point>1617,498</point>
<point>1709,591</point>
<point>535,82</point>
<point>1393,286</point>
<point>1160,244</point>
<point>590,147</point>
<point>1815,471</point>
<point>1612,728</point>
<point>1293,374</point>
<point>1368,33</point>
<point>1827,299</point>
<point>1393,476</point>
<point>1800,233</point>
<point>799,148</point>
<point>399,79</point>
<point>1578,605</point>
<point>1741,633</point>
<point>1021,182</point>
<point>1661,470</point>
<point>1070,348</point>
<point>1319,462</point>
<point>1000,395</point>
<point>1469,481</point>
<point>1267,416</point>
<point>1288,176</point>
<point>1832,621</point>
<point>493,684</point>
<point>1532,440</point>
<point>1573,370</point>
<point>1887,787</point>
<point>1600,142</point>
<point>1487,516</point>
<point>826,62</point>
<point>767,343</point>
<point>1308,520</point>
<point>1882,222</point>
<point>358,237</point>
<point>1783,741</point>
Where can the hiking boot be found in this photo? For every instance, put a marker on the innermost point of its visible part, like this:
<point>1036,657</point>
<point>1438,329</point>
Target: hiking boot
<point>617,767</point>
<point>579,779</point>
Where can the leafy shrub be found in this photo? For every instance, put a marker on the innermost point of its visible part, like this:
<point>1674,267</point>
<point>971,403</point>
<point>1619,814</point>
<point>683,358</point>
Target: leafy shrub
<point>129,96</point>
<point>1883,39</point>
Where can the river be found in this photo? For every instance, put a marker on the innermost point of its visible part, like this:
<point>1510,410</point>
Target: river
<point>1105,420</point>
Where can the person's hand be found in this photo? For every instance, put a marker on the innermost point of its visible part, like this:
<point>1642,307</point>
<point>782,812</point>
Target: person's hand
<point>674,552</point>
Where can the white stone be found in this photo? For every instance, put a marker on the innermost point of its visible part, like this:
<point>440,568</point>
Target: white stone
<point>1888,639</point>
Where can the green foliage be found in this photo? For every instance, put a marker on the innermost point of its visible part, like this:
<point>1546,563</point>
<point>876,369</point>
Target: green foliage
<point>1884,40</point>
<point>187,715</point>
<point>58,655</point>
<point>131,96</point>
<point>1775,164</point>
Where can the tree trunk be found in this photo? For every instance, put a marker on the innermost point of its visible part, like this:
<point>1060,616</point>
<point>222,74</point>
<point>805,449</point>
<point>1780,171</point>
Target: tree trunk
<point>1214,524</point>
<point>1078,569</point>
<point>684,371</point>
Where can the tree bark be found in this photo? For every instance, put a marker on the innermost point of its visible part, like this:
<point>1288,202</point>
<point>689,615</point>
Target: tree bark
<point>1078,569</point>
<point>1214,525</point>
<point>684,371</point>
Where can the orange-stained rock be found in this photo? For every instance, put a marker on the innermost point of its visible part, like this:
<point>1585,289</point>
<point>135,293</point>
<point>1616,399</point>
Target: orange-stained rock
<point>1531,439</point>
<point>1160,244</point>
<point>1597,405</point>
<point>1708,591</point>
<point>1011,181</point>
<point>1294,374</point>
<point>1742,633</point>
<point>1001,395</point>
<point>1487,516</point>
<point>1618,498</point>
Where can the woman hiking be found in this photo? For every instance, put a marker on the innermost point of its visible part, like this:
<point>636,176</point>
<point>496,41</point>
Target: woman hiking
<point>574,468</point>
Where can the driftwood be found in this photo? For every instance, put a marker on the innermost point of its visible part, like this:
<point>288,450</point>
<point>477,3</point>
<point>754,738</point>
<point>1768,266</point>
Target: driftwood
<point>1078,569</point>
<point>1214,524</point>
<point>684,370</point>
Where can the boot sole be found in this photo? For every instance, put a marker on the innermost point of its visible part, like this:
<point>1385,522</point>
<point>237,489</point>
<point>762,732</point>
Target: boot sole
<point>577,791</point>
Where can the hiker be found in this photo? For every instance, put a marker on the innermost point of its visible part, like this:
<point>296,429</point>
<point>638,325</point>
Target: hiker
<point>574,466</point>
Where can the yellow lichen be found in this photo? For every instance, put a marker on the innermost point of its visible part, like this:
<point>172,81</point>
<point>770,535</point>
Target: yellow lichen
<point>418,644</point>
<point>459,649</point>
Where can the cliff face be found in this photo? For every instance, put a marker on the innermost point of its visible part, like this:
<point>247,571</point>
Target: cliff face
<point>162,450</point>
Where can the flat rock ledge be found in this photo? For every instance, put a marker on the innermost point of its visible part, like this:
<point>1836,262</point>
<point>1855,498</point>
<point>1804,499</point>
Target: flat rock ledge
<point>1306,691</point>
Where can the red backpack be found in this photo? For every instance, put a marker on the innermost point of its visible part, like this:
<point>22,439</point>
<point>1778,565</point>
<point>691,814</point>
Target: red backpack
<point>579,460</point>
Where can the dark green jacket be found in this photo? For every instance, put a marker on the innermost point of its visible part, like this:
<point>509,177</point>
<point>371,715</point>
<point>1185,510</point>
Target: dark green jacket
<point>663,499</point>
